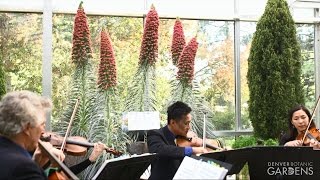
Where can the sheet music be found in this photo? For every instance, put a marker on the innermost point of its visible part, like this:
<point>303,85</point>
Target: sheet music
<point>194,169</point>
<point>142,120</point>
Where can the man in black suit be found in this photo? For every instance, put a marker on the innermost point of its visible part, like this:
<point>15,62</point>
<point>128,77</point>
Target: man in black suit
<point>22,121</point>
<point>162,142</point>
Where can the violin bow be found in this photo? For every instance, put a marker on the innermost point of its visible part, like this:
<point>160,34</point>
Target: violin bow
<point>69,125</point>
<point>311,119</point>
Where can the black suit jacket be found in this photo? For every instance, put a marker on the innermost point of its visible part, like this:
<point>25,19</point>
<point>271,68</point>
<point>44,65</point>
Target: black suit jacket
<point>169,156</point>
<point>16,164</point>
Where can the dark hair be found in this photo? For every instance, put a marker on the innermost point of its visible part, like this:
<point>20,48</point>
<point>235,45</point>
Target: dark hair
<point>177,110</point>
<point>292,130</point>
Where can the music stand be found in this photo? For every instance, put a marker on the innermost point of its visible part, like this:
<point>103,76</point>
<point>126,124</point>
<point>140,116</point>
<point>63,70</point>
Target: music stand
<point>220,163</point>
<point>274,162</point>
<point>237,158</point>
<point>129,168</point>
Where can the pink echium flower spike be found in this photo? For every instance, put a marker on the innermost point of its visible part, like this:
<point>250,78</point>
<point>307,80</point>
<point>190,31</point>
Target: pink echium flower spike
<point>149,45</point>
<point>107,76</point>
<point>178,41</point>
<point>186,61</point>
<point>81,42</point>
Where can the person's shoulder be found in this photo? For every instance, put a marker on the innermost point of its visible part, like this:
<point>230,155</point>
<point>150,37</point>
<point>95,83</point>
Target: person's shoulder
<point>155,132</point>
<point>285,138</point>
<point>28,170</point>
<point>20,166</point>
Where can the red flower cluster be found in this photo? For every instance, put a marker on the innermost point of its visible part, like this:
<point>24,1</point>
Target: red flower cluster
<point>107,76</point>
<point>81,45</point>
<point>149,45</point>
<point>186,61</point>
<point>178,41</point>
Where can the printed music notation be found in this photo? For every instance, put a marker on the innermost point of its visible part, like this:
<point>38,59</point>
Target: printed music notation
<point>196,169</point>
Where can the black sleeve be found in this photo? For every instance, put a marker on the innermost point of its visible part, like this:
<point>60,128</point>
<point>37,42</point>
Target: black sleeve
<point>284,139</point>
<point>156,144</point>
<point>27,170</point>
<point>76,169</point>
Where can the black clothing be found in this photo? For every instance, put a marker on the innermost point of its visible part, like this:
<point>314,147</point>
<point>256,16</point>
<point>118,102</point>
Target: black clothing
<point>169,156</point>
<point>78,168</point>
<point>285,138</point>
<point>16,163</point>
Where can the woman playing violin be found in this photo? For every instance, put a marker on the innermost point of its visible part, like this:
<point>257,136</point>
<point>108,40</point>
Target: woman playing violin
<point>298,121</point>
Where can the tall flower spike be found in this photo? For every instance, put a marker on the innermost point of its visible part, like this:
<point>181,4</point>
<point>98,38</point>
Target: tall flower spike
<point>81,45</point>
<point>107,76</point>
<point>149,45</point>
<point>178,41</point>
<point>186,61</point>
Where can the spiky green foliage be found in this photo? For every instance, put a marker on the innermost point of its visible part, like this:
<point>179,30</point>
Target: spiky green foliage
<point>190,94</point>
<point>186,89</point>
<point>274,71</point>
<point>108,131</point>
<point>141,96</point>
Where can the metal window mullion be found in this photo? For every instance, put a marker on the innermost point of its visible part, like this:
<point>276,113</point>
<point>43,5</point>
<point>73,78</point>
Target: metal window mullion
<point>47,54</point>
<point>316,62</point>
<point>237,67</point>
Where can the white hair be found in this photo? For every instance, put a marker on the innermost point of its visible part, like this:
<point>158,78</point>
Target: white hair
<point>19,108</point>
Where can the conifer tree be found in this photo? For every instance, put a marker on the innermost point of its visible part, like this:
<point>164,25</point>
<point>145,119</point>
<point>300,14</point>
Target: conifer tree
<point>2,81</point>
<point>274,71</point>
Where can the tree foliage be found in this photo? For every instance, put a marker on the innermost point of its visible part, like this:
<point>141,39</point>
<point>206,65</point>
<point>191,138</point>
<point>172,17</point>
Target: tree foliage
<point>274,71</point>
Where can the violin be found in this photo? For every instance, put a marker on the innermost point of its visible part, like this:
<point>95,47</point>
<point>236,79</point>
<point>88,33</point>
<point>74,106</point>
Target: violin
<point>312,133</point>
<point>184,141</point>
<point>64,172</point>
<point>75,145</point>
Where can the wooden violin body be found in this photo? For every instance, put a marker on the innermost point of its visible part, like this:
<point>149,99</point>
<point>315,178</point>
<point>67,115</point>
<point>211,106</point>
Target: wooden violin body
<point>75,145</point>
<point>212,144</point>
<point>313,133</point>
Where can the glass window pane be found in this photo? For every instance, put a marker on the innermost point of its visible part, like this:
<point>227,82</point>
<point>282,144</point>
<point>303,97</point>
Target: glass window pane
<point>217,52</point>
<point>21,50</point>
<point>305,35</point>
<point>246,33</point>
<point>214,64</point>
